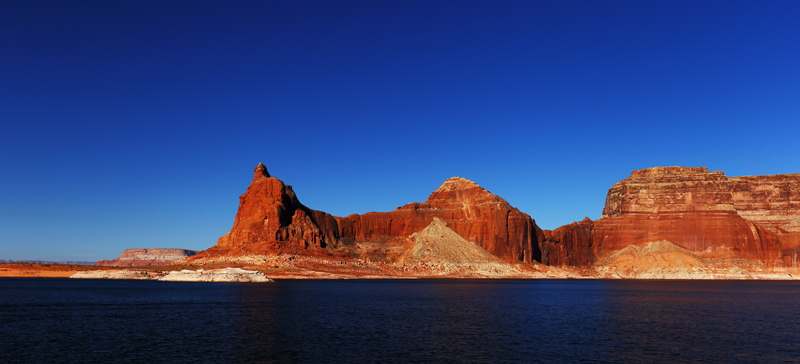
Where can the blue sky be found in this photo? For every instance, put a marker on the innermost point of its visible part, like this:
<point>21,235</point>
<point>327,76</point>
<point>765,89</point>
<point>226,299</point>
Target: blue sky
<point>138,124</point>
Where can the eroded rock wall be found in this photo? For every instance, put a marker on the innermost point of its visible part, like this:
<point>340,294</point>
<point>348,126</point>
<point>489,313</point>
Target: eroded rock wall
<point>690,207</point>
<point>271,221</point>
<point>471,211</point>
<point>774,203</point>
<point>569,245</point>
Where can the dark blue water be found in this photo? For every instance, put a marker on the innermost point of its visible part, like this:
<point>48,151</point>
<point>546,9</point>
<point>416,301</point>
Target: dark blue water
<point>408,321</point>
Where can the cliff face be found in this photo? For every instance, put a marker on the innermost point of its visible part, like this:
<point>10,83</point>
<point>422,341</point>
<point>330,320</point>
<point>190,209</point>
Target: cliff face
<point>472,212</point>
<point>271,221</point>
<point>774,203</point>
<point>147,257</point>
<point>689,207</point>
<point>569,245</point>
<point>743,223</point>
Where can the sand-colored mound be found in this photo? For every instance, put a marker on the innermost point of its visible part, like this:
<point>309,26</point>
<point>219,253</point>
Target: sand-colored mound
<point>665,260</point>
<point>437,243</point>
<point>438,250</point>
<point>659,259</point>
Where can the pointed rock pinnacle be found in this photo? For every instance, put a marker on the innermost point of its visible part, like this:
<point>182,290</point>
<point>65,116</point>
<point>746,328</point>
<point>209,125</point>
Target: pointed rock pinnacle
<point>261,172</point>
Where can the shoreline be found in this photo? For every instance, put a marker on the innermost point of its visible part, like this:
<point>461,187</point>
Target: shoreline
<point>377,272</point>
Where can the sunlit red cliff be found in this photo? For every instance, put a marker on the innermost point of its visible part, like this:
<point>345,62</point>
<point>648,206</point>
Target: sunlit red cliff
<point>705,225</point>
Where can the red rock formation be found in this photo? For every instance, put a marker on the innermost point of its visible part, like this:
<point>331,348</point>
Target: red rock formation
<point>690,207</point>
<point>697,210</point>
<point>271,221</point>
<point>774,203</point>
<point>472,212</point>
<point>569,245</point>
<point>147,257</point>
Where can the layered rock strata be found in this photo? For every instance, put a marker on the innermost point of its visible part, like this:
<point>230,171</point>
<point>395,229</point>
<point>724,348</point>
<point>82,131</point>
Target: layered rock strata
<point>664,260</point>
<point>690,207</point>
<point>474,213</point>
<point>569,245</point>
<point>272,221</point>
<point>147,257</point>
<point>701,223</point>
<point>774,203</point>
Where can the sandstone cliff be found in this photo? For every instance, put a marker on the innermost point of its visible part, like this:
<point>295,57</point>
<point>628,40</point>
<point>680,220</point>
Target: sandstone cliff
<point>774,203</point>
<point>669,222</point>
<point>213,275</point>
<point>271,221</point>
<point>690,207</point>
<point>474,213</point>
<point>147,257</point>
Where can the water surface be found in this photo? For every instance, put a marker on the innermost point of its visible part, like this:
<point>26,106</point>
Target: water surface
<point>51,320</point>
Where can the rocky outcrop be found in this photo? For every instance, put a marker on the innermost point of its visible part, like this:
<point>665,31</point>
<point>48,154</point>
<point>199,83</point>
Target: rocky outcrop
<point>271,221</point>
<point>659,259</point>
<point>186,275</point>
<point>474,213</point>
<point>569,245</point>
<point>774,203</point>
<point>147,257</point>
<point>437,243</point>
<point>664,260</point>
<point>216,275</point>
<point>690,207</point>
<point>119,274</point>
<point>438,251</point>
<point>727,224</point>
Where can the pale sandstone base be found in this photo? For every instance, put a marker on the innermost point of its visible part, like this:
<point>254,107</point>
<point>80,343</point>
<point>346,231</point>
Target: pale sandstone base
<point>213,275</point>
<point>119,274</point>
<point>216,275</point>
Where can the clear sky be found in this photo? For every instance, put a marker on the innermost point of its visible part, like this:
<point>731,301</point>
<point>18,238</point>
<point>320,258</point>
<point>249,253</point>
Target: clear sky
<point>137,124</point>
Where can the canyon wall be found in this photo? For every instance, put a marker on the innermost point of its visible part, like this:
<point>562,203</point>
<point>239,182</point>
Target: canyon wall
<point>774,203</point>
<point>271,221</point>
<point>690,207</point>
<point>751,223</point>
<point>471,211</point>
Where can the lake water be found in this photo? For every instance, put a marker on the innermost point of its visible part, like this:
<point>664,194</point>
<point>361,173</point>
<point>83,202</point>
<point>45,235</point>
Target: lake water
<point>405,321</point>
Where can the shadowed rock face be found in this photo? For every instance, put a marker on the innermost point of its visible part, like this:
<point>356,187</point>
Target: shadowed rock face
<point>147,257</point>
<point>569,245</point>
<point>690,207</point>
<point>271,221</point>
